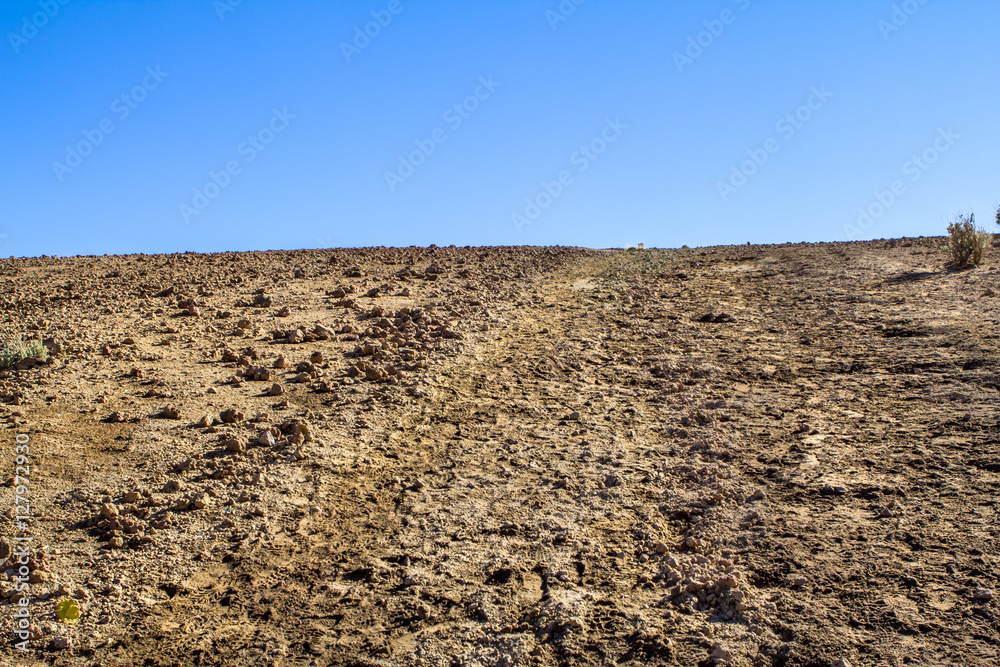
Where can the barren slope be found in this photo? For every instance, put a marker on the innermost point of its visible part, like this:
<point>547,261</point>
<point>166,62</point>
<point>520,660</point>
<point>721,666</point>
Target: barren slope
<point>506,456</point>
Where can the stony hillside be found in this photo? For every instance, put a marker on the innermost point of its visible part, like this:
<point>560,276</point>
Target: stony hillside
<point>750,455</point>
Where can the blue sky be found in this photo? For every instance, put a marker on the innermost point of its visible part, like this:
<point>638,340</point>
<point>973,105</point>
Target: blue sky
<point>281,125</point>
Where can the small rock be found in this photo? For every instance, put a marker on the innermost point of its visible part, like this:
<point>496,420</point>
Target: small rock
<point>60,643</point>
<point>574,416</point>
<point>284,312</point>
<point>170,411</point>
<point>173,486</point>
<point>232,443</point>
<point>276,390</point>
<point>316,357</point>
<point>720,653</point>
<point>205,421</point>
<point>843,662</point>
<point>982,594</point>
<point>231,416</point>
<point>759,494</point>
<point>108,511</point>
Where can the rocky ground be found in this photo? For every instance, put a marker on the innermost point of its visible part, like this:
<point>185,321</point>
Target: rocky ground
<point>749,455</point>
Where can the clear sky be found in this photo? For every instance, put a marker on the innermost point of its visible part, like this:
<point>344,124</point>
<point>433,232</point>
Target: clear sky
<point>235,125</point>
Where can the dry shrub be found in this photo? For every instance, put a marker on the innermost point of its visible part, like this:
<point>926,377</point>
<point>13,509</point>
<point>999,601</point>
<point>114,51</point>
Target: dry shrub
<point>13,348</point>
<point>966,242</point>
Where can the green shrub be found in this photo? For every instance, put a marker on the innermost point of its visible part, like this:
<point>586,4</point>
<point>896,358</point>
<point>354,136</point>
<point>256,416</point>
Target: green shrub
<point>13,348</point>
<point>966,242</point>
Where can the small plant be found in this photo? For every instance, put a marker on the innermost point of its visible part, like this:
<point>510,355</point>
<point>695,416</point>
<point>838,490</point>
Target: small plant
<point>15,348</point>
<point>966,243</point>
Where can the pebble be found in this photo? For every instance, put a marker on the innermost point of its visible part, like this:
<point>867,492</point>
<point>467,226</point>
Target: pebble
<point>982,594</point>
<point>231,416</point>
<point>170,411</point>
<point>232,443</point>
<point>722,654</point>
<point>61,643</point>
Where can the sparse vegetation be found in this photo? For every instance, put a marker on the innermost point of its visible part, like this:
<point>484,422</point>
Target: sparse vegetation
<point>14,348</point>
<point>966,242</point>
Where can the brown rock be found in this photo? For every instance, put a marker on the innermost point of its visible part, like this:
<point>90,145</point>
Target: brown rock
<point>170,411</point>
